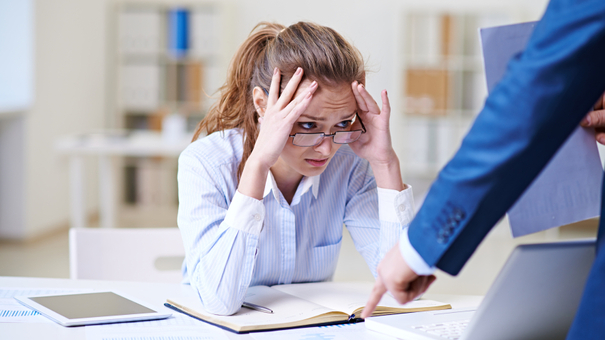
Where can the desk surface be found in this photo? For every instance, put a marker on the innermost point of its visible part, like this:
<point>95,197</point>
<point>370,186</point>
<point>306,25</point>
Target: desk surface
<point>153,293</point>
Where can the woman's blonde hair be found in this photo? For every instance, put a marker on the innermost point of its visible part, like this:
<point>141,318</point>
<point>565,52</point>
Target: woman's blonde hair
<point>322,53</point>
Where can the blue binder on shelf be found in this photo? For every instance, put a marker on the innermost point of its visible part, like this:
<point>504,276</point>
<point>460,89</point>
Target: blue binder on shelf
<point>178,32</point>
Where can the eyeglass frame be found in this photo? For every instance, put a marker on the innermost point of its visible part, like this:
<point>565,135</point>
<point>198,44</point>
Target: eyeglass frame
<point>363,130</point>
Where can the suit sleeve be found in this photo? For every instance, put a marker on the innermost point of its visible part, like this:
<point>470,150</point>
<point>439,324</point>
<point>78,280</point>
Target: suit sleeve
<point>544,94</point>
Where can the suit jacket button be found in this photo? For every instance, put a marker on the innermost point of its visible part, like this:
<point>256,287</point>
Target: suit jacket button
<point>458,215</point>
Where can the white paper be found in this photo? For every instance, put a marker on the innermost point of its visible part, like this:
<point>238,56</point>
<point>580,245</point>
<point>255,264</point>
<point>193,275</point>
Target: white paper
<point>13,311</point>
<point>568,189</point>
<point>335,332</point>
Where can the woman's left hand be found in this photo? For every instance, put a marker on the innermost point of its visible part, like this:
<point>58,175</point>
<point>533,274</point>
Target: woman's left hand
<point>374,145</point>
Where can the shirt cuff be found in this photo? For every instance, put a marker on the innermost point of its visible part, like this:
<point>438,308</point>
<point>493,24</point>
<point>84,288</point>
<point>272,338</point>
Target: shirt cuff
<point>396,206</point>
<point>411,256</point>
<point>246,214</point>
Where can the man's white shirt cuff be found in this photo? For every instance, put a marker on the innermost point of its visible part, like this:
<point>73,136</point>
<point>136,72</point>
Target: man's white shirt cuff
<point>411,256</point>
<point>246,214</point>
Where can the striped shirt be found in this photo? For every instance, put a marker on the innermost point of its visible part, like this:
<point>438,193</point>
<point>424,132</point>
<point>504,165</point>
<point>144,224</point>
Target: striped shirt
<point>233,241</point>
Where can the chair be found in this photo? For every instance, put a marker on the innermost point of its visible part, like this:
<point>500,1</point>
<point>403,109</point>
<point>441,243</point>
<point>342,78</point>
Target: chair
<point>135,254</point>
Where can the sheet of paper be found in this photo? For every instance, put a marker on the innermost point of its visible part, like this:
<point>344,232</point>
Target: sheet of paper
<point>569,188</point>
<point>335,332</point>
<point>12,311</point>
<point>345,296</point>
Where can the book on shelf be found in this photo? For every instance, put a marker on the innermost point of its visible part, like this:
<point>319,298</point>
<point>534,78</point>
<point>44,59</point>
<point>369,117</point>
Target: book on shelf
<point>300,305</point>
<point>178,32</point>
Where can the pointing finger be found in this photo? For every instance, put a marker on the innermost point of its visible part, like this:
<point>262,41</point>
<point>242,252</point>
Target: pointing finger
<point>375,296</point>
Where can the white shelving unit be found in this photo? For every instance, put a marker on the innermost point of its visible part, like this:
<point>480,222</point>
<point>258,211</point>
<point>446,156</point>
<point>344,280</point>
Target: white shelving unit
<point>151,82</point>
<point>443,82</point>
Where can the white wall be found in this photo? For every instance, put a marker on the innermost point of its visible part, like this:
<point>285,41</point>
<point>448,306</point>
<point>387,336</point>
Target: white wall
<point>16,55</point>
<point>12,179</point>
<point>69,97</point>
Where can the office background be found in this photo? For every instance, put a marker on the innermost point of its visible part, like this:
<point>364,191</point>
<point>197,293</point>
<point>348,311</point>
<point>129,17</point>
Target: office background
<point>62,68</point>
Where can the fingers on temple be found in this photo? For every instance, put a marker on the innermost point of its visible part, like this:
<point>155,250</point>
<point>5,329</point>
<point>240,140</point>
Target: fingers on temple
<point>386,104</point>
<point>290,88</point>
<point>297,106</point>
<point>371,104</point>
<point>274,89</point>
<point>360,101</point>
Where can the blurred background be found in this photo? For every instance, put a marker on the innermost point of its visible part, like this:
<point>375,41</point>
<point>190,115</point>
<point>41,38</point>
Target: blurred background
<point>98,97</point>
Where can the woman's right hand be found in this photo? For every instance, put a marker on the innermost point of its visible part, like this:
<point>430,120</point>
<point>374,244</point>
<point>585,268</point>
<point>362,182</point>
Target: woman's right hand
<point>280,115</point>
<point>276,124</point>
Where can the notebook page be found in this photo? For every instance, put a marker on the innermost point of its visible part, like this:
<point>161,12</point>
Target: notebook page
<point>346,296</point>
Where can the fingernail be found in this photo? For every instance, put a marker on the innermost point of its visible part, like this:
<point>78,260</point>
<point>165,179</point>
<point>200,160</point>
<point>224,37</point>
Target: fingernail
<point>313,84</point>
<point>298,71</point>
<point>275,70</point>
<point>602,140</point>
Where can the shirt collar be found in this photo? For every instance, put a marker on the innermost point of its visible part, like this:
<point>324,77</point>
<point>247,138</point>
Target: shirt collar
<point>305,184</point>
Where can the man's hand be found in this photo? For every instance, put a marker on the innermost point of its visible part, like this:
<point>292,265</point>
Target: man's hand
<point>397,277</point>
<point>596,119</point>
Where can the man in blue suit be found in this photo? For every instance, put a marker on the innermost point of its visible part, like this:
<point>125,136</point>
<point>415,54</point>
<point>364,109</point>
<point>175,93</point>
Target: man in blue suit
<point>541,99</point>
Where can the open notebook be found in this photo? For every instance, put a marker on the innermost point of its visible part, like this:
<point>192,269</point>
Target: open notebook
<point>298,305</point>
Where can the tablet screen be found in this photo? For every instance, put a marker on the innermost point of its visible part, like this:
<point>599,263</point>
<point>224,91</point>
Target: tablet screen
<point>90,305</point>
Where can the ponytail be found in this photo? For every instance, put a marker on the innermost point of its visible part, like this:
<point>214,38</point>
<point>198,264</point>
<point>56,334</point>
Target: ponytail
<point>235,108</point>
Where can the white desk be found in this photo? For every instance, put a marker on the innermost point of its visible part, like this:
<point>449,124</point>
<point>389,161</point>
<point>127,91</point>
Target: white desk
<point>105,146</point>
<point>153,293</point>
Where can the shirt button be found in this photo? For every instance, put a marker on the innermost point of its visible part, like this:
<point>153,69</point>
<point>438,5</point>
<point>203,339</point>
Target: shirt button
<point>401,207</point>
<point>257,217</point>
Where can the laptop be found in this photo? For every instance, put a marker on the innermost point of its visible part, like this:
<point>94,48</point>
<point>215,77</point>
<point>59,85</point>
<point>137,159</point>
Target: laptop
<point>535,296</point>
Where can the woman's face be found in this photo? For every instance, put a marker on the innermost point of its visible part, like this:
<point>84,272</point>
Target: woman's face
<point>330,110</point>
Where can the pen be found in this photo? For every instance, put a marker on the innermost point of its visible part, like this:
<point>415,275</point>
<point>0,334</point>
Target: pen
<point>257,307</point>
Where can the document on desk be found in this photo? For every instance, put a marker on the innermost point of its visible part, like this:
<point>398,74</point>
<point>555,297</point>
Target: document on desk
<point>569,188</point>
<point>13,311</point>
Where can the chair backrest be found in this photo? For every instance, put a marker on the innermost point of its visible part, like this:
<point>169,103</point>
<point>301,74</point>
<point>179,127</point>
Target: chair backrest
<point>135,254</point>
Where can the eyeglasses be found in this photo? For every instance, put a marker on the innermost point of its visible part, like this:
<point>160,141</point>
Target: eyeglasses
<point>340,137</point>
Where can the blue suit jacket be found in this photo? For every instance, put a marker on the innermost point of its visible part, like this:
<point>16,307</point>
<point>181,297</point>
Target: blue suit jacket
<point>541,99</point>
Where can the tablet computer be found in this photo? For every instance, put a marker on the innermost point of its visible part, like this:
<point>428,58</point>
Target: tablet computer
<point>90,308</point>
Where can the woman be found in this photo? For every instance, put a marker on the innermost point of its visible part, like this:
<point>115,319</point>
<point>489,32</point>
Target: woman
<point>264,196</point>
